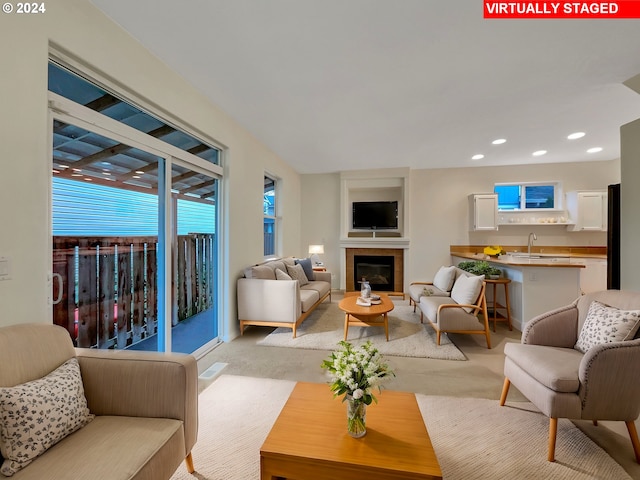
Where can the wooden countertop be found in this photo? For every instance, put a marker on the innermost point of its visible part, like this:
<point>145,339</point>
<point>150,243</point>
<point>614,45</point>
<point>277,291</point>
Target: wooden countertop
<point>508,261</point>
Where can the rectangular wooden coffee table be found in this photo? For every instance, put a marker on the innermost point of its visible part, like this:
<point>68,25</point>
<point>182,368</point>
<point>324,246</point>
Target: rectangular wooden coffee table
<point>309,440</point>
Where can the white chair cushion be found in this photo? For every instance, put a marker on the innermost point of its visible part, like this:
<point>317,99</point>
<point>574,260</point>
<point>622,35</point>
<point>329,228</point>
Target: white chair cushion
<point>605,324</point>
<point>444,278</point>
<point>466,289</point>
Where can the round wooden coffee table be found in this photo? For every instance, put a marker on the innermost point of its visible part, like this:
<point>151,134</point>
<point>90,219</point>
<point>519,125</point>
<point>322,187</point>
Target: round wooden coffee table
<point>357,315</point>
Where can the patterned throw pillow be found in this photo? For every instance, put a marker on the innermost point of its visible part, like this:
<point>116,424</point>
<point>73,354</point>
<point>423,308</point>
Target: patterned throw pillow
<point>605,324</point>
<point>38,414</point>
<point>297,273</point>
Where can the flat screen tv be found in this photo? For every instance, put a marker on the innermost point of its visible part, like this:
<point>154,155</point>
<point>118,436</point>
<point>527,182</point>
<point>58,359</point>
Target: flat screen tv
<point>375,215</point>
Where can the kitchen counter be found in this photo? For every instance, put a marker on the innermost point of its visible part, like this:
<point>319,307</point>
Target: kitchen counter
<point>538,285</point>
<point>536,260</point>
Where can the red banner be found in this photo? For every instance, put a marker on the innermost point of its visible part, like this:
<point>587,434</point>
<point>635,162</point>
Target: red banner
<point>562,9</point>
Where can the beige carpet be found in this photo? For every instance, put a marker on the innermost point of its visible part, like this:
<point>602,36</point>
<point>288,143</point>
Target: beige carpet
<point>473,439</point>
<point>407,336</point>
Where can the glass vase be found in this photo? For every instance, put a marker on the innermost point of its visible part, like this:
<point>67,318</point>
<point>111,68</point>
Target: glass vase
<point>365,289</point>
<point>356,417</point>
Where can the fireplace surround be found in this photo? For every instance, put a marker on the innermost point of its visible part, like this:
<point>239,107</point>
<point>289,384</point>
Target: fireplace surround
<point>378,263</point>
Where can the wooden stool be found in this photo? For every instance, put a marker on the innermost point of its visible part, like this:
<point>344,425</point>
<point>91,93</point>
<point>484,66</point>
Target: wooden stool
<point>494,303</point>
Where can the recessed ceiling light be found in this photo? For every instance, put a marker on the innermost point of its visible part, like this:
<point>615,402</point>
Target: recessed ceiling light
<point>576,135</point>
<point>499,141</point>
<point>139,172</point>
<point>479,156</point>
<point>88,179</point>
<point>594,150</point>
<point>538,153</point>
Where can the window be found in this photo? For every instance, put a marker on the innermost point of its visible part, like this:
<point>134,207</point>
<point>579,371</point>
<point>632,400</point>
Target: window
<point>270,212</point>
<point>527,196</point>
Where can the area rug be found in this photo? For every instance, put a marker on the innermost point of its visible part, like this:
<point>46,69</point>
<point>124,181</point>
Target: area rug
<point>472,438</point>
<point>324,328</point>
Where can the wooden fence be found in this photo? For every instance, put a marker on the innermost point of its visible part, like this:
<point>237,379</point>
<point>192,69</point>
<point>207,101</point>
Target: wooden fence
<point>109,296</point>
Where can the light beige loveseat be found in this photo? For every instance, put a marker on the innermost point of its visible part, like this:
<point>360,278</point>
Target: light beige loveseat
<point>265,301</point>
<point>144,407</point>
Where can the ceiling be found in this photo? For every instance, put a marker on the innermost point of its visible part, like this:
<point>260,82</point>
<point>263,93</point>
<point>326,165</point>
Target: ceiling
<point>334,85</point>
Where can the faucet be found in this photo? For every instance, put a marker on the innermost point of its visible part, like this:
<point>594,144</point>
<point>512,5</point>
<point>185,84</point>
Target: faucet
<point>532,237</point>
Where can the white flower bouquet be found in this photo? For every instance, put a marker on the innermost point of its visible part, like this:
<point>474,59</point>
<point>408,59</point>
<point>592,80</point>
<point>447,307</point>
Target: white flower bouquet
<point>356,371</point>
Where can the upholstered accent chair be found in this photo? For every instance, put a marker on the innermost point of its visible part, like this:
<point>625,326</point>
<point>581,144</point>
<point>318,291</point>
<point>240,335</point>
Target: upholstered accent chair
<point>465,311</point>
<point>581,361</point>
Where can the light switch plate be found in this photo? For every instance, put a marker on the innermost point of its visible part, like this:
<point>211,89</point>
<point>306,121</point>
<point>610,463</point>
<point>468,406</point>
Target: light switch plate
<point>5,268</point>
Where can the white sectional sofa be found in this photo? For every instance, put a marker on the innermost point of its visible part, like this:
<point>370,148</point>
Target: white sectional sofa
<point>274,293</point>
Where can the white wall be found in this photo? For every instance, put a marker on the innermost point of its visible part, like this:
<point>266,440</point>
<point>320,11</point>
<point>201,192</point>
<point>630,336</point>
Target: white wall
<point>629,202</point>
<point>438,209</point>
<point>84,33</point>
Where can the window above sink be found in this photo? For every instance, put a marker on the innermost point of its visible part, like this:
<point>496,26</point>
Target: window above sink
<point>528,196</point>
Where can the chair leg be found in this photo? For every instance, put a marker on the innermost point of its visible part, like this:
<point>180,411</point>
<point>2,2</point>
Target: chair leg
<point>595,423</point>
<point>633,433</point>
<point>505,391</point>
<point>188,461</point>
<point>553,431</point>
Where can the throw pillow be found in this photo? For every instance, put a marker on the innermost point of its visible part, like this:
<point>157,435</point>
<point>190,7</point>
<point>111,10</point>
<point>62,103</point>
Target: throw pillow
<point>605,324</point>
<point>262,272</point>
<point>38,414</point>
<point>280,275</point>
<point>466,290</point>
<point>444,278</point>
<point>307,266</point>
<point>297,273</point>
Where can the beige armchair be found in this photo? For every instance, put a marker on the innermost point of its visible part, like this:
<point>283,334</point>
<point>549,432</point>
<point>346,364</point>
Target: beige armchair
<point>143,405</point>
<point>600,384</point>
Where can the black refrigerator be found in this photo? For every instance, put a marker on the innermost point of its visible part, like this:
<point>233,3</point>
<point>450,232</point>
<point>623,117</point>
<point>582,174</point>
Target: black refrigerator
<point>613,237</point>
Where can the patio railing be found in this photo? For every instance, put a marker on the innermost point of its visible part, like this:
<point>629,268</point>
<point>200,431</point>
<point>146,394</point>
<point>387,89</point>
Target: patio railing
<point>109,296</point>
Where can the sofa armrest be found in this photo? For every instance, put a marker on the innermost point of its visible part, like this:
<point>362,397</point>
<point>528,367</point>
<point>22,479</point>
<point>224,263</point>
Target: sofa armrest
<point>323,276</point>
<point>142,384</point>
<point>268,300</point>
<point>609,385</point>
<point>557,328</point>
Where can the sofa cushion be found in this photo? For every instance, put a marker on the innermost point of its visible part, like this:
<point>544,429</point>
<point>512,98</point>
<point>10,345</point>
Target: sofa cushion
<point>444,278</point>
<point>297,273</point>
<point>307,267</point>
<point>421,290</point>
<point>308,298</point>
<point>114,448</point>
<point>280,275</point>
<point>554,367</point>
<point>450,318</point>
<point>263,272</point>
<point>466,290</point>
<point>36,415</point>
<point>605,324</point>
<point>319,286</point>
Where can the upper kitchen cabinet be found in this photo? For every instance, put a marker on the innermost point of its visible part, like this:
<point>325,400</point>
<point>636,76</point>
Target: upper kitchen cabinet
<point>483,211</point>
<point>587,211</point>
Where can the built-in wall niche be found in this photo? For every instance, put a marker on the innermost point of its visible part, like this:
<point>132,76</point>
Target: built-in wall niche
<point>375,189</point>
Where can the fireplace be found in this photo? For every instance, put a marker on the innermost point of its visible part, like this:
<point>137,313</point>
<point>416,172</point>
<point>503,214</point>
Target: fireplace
<point>376,269</point>
<point>382,267</point>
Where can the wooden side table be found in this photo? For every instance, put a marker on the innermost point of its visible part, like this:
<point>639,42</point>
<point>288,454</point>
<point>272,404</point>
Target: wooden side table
<point>497,306</point>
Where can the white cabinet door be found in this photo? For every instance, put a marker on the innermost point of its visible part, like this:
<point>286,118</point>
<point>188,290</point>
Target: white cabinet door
<point>483,208</point>
<point>588,210</point>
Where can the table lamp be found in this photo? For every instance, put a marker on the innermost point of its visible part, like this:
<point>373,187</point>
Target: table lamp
<point>314,251</point>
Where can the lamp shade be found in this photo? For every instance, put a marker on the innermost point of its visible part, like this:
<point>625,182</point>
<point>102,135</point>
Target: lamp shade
<point>316,249</point>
